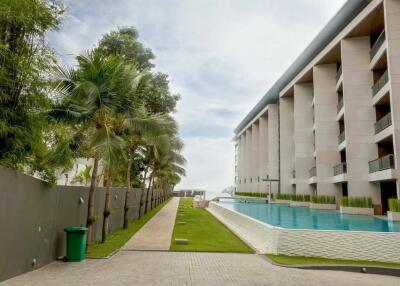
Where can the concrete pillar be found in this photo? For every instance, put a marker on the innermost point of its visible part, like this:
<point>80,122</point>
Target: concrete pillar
<point>392,29</point>
<point>286,142</point>
<point>241,163</point>
<point>254,157</point>
<point>359,117</point>
<point>326,128</point>
<point>248,161</point>
<point>273,145</point>
<point>263,150</point>
<point>303,136</point>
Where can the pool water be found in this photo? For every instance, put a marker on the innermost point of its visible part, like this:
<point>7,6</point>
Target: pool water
<point>282,215</point>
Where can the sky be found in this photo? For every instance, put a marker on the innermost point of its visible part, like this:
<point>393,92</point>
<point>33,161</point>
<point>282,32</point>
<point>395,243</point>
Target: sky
<point>221,55</point>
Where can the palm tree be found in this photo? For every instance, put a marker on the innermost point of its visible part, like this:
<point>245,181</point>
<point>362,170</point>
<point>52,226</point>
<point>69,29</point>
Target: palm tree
<point>134,129</point>
<point>170,168</point>
<point>164,158</point>
<point>91,95</point>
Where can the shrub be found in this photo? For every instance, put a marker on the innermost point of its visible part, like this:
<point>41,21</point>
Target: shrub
<point>300,198</point>
<point>323,199</point>
<point>251,194</point>
<point>283,196</point>
<point>394,205</point>
<point>357,202</point>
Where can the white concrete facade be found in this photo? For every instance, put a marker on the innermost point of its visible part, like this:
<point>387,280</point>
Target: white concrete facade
<point>334,129</point>
<point>258,158</point>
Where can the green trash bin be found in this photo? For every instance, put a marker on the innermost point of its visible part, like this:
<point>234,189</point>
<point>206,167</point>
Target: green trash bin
<point>76,243</point>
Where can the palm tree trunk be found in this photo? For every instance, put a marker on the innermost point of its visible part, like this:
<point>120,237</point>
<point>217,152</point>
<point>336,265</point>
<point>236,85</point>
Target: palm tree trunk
<point>107,212</point>
<point>90,215</point>
<point>148,193</point>
<point>142,194</point>
<point>128,190</point>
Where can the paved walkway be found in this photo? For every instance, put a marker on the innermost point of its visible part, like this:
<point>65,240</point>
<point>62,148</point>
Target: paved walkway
<point>187,268</point>
<point>156,233</point>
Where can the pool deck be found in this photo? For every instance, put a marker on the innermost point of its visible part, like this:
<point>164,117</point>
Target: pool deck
<point>188,268</point>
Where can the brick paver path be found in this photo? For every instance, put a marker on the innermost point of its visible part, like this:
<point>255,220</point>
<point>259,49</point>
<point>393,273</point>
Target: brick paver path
<point>187,268</point>
<point>156,233</point>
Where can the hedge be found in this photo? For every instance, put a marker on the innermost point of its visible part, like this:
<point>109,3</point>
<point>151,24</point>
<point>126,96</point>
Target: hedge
<point>323,199</point>
<point>251,194</point>
<point>357,202</point>
<point>394,205</point>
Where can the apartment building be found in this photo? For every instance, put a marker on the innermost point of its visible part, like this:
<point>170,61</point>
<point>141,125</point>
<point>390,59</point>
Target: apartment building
<point>331,124</point>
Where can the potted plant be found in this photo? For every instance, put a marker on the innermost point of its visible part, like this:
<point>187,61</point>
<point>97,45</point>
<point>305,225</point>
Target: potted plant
<point>299,200</point>
<point>394,210</point>
<point>357,205</point>
<point>323,202</point>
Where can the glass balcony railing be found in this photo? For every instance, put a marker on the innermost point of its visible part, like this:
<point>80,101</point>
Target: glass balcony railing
<point>383,163</point>
<point>383,123</point>
<point>339,73</point>
<point>313,172</point>
<point>377,45</point>
<point>380,83</point>
<point>341,137</point>
<point>340,105</point>
<point>340,169</point>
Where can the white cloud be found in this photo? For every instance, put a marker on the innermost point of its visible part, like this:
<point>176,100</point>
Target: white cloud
<point>222,56</point>
<point>211,164</point>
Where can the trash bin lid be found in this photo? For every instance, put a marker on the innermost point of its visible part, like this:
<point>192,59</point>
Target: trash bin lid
<point>75,229</point>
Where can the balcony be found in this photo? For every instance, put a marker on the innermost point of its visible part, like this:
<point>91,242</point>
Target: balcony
<point>382,81</point>
<point>313,172</point>
<point>341,137</point>
<point>340,169</point>
<point>380,164</point>
<point>293,177</point>
<point>377,45</point>
<point>339,73</point>
<point>383,123</point>
<point>340,105</point>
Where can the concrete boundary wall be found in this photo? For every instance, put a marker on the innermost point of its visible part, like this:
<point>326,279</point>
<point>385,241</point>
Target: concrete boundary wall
<point>358,245</point>
<point>33,216</point>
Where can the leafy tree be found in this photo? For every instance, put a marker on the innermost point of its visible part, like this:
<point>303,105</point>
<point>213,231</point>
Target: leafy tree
<point>124,43</point>
<point>157,97</point>
<point>24,58</point>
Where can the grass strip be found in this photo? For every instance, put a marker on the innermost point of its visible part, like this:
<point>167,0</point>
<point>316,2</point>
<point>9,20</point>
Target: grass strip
<point>203,231</point>
<point>300,260</point>
<point>119,237</point>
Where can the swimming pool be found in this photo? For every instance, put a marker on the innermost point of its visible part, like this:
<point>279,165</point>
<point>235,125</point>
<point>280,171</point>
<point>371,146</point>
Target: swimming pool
<point>282,215</point>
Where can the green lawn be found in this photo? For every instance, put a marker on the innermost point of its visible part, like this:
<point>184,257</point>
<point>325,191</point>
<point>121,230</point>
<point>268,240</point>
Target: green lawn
<point>204,232</point>
<point>119,237</point>
<point>299,260</point>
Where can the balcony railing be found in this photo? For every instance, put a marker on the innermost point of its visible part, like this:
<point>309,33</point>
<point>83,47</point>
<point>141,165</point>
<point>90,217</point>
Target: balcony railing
<point>341,137</point>
<point>340,105</point>
<point>339,73</point>
<point>383,123</point>
<point>340,169</point>
<point>377,45</point>
<point>313,172</point>
<point>380,83</point>
<point>383,163</point>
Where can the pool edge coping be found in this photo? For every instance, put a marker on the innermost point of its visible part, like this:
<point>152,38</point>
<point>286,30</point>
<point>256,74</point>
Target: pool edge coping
<point>364,269</point>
